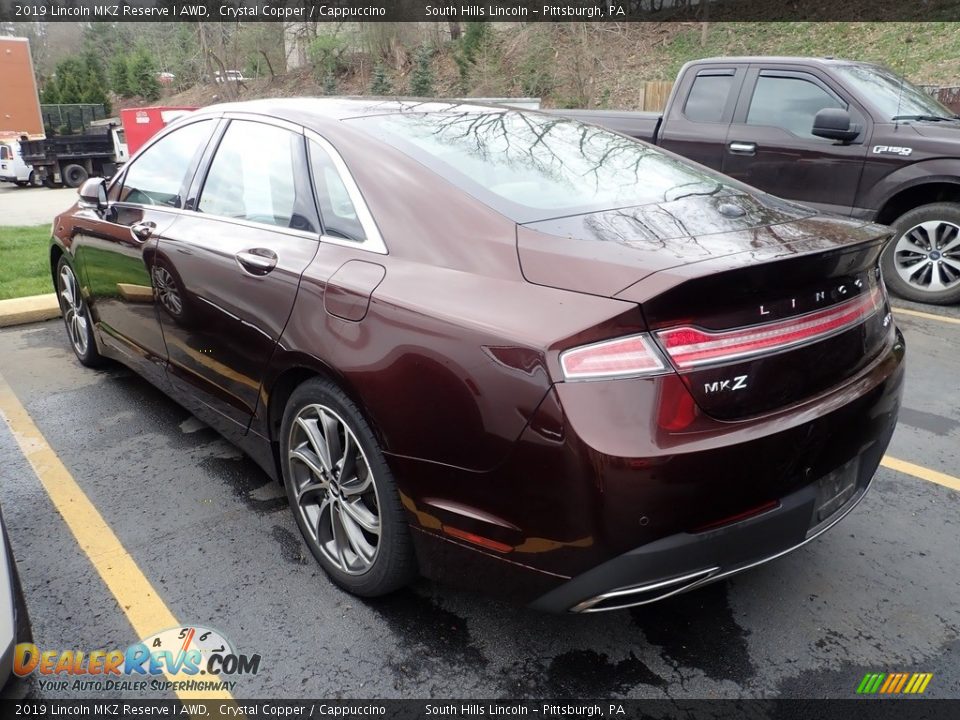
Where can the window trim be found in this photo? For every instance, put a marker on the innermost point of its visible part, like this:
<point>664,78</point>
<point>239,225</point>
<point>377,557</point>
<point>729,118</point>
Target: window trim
<point>374,240</point>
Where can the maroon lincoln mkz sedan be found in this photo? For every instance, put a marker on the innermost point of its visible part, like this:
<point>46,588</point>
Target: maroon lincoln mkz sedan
<point>505,349</point>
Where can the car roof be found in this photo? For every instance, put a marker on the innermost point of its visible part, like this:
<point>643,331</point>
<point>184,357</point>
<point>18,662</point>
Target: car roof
<point>312,111</point>
<point>785,59</point>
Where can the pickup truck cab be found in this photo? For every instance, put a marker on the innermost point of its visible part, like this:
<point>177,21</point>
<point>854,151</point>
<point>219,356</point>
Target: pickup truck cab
<point>844,137</point>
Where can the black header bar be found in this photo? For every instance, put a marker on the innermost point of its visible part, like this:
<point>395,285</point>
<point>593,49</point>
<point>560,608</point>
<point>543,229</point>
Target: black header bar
<point>475,10</point>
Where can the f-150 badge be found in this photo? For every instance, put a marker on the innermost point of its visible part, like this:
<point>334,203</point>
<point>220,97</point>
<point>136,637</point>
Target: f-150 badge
<point>891,150</point>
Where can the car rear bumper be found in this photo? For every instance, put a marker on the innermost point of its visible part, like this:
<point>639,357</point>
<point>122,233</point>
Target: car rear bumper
<point>685,561</point>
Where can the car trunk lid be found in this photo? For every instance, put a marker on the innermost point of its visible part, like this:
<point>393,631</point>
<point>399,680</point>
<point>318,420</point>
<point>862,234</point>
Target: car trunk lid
<point>754,318</point>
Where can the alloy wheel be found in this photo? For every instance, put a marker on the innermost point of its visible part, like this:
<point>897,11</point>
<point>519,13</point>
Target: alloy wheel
<point>334,490</point>
<point>74,311</point>
<point>167,291</point>
<point>927,256</point>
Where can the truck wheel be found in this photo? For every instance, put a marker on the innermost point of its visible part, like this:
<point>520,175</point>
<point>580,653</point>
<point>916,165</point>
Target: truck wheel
<point>922,261</point>
<point>74,176</point>
<point>35,180</point>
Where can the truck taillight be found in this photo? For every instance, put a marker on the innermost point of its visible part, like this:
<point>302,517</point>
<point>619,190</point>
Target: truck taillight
<point>623,357</point>
<point>690,347</point>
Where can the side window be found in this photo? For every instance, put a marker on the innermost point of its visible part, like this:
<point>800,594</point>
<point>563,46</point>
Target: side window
<point>337,211</point>
<point>708,97</point>
<point>157,176</point>
<point>789,103</point>
<point>5,152</point>
<point>253,177</point>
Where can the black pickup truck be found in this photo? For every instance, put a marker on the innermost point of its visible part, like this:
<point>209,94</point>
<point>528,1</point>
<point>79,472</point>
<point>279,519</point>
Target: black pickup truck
<point>844,137</point>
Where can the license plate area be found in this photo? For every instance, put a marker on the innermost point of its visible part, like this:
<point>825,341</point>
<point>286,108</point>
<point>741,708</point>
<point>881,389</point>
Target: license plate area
<point>834,491</point>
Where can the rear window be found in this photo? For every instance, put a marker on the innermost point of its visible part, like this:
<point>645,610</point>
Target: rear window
<point>533,167</point>
<point>5,153</point>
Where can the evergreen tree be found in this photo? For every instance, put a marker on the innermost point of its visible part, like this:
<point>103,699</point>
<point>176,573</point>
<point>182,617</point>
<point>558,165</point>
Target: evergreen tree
<point>330,83</point>
<point>120,75</point>
<point>380,84</point>
<point>51,93</point>
<point>469,47</point>
<point>421,79</point>
<point>143,75</point>
<point>92,91</point>
<point>69,88</point>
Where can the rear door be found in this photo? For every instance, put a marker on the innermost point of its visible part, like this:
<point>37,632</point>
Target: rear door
<point>770,145</point>
<point>227,272</point>
<point>700,113</point>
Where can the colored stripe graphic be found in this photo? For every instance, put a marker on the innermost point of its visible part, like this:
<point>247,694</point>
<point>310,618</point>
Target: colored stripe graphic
<point>870,683</point>
<point>894,683</point>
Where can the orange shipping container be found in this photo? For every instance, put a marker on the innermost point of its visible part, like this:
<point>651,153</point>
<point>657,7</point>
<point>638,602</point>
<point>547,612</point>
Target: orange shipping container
<point>19,101</point>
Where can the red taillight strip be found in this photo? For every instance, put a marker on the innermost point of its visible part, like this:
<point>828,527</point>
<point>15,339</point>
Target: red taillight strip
<point>623,357</point>
<point>689,347</point>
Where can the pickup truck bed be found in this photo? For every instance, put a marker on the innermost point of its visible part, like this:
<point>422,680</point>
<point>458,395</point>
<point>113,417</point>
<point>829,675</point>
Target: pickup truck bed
<point>639,125</point>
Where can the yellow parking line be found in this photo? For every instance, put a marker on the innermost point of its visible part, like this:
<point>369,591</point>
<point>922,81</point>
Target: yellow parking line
<point>918,471</point>
<point>138,599</point>
<point>928,316</point>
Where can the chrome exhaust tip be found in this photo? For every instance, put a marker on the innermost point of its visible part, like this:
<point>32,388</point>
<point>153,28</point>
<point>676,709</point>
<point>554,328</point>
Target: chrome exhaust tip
<point>644,594</point>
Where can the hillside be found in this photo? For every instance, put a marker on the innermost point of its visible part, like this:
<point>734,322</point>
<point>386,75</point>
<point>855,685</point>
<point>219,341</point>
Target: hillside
<point>605,65</point>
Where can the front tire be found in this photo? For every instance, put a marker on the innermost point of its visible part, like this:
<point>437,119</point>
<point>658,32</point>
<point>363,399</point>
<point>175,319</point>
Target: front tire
<point>922,261</point>
<point>342,492</point>
<point>76,316</point>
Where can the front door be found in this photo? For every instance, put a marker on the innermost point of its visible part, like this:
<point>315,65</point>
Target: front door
<point>227,272</point>
<point>114,248</point>
<point>770,144</point>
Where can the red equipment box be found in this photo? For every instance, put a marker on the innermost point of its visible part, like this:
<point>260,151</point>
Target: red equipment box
<point>141,124</point>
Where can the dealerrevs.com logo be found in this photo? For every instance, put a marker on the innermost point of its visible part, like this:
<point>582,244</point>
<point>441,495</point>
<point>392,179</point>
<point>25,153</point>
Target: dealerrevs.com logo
<point>184,658</point>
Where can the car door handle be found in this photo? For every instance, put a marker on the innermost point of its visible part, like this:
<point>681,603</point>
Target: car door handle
<point>257,261</point>
<point>743,148</point>
<point>142,231</point>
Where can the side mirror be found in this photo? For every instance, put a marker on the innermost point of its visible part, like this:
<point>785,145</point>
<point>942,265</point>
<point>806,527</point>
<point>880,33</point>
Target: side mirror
<point>834,124</point>
<point>93,193</point>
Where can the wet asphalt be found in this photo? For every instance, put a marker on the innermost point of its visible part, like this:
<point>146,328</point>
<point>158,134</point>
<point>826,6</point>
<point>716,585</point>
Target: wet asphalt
<point>878,593</point>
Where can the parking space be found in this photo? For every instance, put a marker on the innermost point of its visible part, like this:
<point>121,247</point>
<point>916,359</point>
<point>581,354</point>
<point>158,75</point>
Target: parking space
<point>214,537</point>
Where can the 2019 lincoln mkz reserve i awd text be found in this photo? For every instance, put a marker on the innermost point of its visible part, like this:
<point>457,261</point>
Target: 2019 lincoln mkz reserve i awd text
<point>504,349</point>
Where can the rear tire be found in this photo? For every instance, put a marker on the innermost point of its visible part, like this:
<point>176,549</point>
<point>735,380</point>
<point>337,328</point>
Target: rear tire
<point>76,316</point>
<point>342,493</point>
<point>74,175</point>
<point>922,261</point>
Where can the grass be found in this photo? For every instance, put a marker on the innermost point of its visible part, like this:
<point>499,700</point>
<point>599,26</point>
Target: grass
<point>24,261</point>
<point>924,52</point>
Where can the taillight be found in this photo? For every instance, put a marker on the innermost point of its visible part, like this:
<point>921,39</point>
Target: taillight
<point>690,347</point>
<point>624,357</point>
